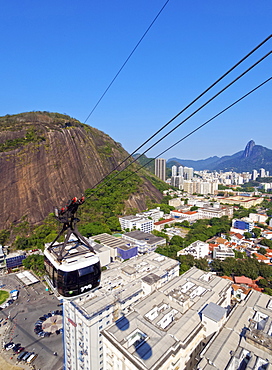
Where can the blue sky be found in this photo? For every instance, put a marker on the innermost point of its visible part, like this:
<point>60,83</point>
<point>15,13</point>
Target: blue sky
<point>60,56</point>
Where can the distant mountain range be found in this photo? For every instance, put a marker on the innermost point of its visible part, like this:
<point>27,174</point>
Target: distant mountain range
<point>253,157</point>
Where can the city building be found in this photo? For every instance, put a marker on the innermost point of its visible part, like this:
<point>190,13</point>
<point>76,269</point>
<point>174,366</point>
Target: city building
<point>257,217</point>
<point>245,341</point>
<point>184,215</point>
<point>119,248</point>
<point>169,328</point>
<point>145,242</point>
<point>175,202</point>
<point>216,211</point>
<point>244,224</point>
<point>174,171</point>
<point>254,175</point>
<point>245,201</point>
<point>222,251</point>
<point>160,168</point>
<point>136,222</point>
<point>262,172</point>
<point>121,286</point>
<point>188,173</point>
<point>197,249</point>
<point>161,224</point>
<point>155,214</point>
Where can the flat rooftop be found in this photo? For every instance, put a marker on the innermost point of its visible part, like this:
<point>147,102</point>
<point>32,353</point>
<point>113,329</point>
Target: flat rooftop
<point>147,237</point>
<point>112,241</point>
<point>125,278</point>
<point>164,321</point>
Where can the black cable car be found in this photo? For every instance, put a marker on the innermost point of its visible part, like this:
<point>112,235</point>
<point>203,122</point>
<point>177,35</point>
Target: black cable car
<point>73,266</point>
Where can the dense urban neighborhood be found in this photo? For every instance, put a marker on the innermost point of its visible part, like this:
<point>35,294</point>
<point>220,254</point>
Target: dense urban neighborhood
<point>184,268</point>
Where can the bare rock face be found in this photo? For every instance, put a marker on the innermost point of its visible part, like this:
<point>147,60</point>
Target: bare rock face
<point>248,149</point>
<point>48,158</point>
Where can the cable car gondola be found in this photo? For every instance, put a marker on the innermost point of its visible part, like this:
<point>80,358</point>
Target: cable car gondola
<point>73,266</point>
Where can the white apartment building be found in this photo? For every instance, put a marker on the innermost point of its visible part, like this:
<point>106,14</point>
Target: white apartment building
<point>257,217</point>
<point>174,171</point>
<point>188,173</point>
<point>128,222</point>
<point>197,249</point>
<point>210,212</point>
<point>221,252</point>
<point>184,215</point>
<point>169,328</point>
<point>262,172</point>
<point>145,242</point>
<point>245,340</point>
<point>177,181</point>
<point>135,222</point>
<point>200,187</point>
<point>121,287</point>
<point>155,214</point>
<point>160,168</point>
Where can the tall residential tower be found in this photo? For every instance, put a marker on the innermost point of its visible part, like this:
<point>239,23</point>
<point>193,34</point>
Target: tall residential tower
<point>160,168</point>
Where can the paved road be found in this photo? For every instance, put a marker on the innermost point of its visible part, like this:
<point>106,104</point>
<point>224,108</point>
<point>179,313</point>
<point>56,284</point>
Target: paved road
<point>32,303</point>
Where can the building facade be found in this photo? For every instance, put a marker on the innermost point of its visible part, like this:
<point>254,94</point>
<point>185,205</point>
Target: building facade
<point>85,318</point>
<point>160,168</point>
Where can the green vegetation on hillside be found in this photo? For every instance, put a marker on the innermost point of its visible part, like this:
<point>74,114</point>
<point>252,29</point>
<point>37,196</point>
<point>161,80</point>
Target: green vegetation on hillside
<point>35,262</point>
<point>32,136</point>
<point>97,215</point>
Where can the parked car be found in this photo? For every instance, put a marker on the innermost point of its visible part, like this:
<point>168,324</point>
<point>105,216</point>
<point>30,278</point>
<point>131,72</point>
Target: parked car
<point>17,345</point>
<point>10,346</point>
<point>28,354</point>
<point>20,349</point>
<point>31,358</point>
<point>7,344</point>
<point>21,355</point>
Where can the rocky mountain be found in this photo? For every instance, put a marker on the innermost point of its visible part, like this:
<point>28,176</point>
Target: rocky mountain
<point>252,157</point>
<point>48,158</point>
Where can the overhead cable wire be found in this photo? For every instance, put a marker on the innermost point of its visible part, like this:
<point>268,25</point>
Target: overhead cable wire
<point>184,109</point>
<point>186,119</point>
<point>198,128</point>
<point>204,124</point>
<point>123,65</point>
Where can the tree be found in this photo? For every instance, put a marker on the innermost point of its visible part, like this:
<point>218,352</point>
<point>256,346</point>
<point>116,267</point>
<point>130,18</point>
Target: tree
<point>113,223</point>
<point>247,235</point>
<point>202,264</point>
<point>194,208</point>
<point>262,251</point>
<point>94,228</point>
<point>257,232</point>
<point>34,262</point>
<point>266,242</point>
<point>185,223</point>
<point>177,240</point>
<point>262,283</point>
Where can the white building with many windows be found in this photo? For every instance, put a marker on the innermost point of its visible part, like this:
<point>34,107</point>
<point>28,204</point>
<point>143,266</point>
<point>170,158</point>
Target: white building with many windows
<point>136,222</point>
<point>170,327</point>
<point>121,287</point>
<point>197,249</point>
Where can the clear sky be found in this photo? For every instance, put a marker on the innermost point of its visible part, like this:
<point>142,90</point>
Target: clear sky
<point>60,56</point>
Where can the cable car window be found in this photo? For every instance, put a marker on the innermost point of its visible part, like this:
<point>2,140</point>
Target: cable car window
<point>86,270</point>
<point>71,277</point>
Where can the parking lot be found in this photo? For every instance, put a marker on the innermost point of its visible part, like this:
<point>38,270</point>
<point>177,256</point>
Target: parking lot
<point>19,322</point>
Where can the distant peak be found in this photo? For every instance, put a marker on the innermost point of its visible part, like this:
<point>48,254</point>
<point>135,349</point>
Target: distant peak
<point>248,149</point>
